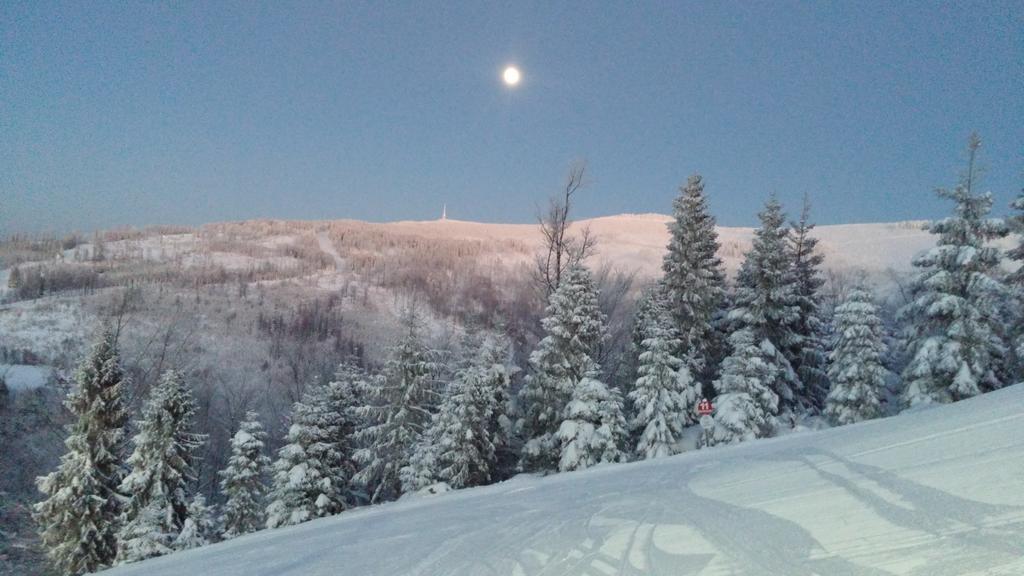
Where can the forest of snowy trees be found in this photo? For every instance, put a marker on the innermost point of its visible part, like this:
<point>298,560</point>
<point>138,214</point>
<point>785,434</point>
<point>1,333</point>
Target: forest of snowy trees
<point>764,349</point>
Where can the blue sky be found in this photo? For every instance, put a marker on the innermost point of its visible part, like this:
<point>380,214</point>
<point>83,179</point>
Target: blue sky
<point>143,113</point>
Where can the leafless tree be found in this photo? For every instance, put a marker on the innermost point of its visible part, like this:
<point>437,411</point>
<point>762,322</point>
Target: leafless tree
<point>561,249</point>
<point>615,298</point>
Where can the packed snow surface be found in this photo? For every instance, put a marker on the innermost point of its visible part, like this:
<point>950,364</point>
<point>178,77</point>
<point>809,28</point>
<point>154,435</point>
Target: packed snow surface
<point>24,377</point>
<point>935,492</point>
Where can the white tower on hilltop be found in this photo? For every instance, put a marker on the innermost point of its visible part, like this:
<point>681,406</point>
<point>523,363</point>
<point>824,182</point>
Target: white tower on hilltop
<point>444,211</point>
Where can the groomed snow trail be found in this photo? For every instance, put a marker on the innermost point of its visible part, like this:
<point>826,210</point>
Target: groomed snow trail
<point>327,247</point>
<point>937,492</point>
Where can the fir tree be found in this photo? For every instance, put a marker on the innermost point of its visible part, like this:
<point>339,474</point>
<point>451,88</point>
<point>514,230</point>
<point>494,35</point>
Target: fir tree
<point>855,364</point>
<point>1015,283</point>
<point>593,429</point>
<point>746,405</point>
<point>809,358</point>
<point>242,481</point>
<point>342,403</point>
<point>694,279</point>
<point>495,359</point>
<point>80,516</point>
<point>161,470</point>
<point>460,446</point>
<point>955,331</point>
<point>663,397</point>
<point>200,527</point>
<point>310,479</point>
<point>766,303</point>
<point>402,403</point>
<point>574,329</point>
<point>651,310</point>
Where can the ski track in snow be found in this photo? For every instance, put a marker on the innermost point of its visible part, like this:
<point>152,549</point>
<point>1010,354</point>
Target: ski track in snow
<point>938,492</point>
<point>328,248</point>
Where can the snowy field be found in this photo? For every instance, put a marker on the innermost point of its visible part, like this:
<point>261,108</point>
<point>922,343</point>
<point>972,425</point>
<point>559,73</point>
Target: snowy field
<point>23,377</point>
<point>932,493</point>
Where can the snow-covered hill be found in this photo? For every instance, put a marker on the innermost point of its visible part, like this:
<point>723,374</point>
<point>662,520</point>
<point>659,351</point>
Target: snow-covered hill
<point>637,241</point>
<point>935,492</point>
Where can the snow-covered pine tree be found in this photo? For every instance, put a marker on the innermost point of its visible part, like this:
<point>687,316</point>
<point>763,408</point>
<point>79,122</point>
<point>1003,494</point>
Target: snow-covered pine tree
<point>460,445</point>
<point>495,358</point>
<point>243,479</point>
<point>694,279</point>
<point>402,402</point>
<point>80,516</point>
<point>139,539</point>
<point>766,304</point>
<point>664,395</point>
<point>1015,282</point>
<point>746,406</point>
<point>343,403</point>
<point>855,364</point>
<point>310,479</point>
<point>200,527</point>
<point>651,310</point>
<point>593,429</point>
<point>574,329</point>
<point>955,334</point>
<point>161,470</point>
<point>809,358</point>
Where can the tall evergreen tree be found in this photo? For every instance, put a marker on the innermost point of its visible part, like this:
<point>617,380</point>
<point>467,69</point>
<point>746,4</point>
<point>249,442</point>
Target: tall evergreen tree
<point>161,471</point>
<point>593,430</point>
<point>664,395</point>
<point>460,446</point>
<point>80,517</point>
<point>809,358</point>
<point>955,331</point>
<point>766,303</point>
<point>243,479</point>
<point>694,279</point>
<point>746,406</point>
<point>1015,283</point>
<point>310,476</point>
<point>200,527</point>
<point>402,403</point>
<point>855,364</point>
<point>574,329</point>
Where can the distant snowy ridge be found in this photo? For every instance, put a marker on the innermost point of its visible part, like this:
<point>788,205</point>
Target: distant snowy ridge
<point>934,491</point>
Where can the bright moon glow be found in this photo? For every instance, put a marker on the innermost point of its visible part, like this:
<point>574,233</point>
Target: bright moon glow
<point>511,76</point>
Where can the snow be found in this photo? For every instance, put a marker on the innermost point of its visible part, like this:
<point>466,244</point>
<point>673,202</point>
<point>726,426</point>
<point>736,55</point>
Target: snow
<point>937,491</point>
<point>25,377</point>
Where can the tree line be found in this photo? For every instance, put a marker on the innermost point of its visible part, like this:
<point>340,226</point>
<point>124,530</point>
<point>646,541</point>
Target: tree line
<point>762,348</point>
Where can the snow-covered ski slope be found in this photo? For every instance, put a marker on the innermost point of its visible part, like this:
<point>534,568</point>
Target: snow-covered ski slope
<point>935,492</point>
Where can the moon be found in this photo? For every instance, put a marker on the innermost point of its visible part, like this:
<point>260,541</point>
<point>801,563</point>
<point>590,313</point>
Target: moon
<point>511,76</point>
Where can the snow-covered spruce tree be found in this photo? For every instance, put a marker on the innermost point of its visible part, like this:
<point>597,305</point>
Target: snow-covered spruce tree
<point>767,305</point>
<point>746,406</point>
<point>342,404</point>
<point>161,471</point>
<point>574,328</point>
<point>402,402</point>
<point>80,516</point>
<point>809,358</point>
<point>593,429</point>
<point>495,358</point>
<point>309,476</point>
<point>694,279</point>
<point>1015,282</point>
<point>955,334</point>
<point>243,479</point>
<point>855,363</point>
<point>200,527</point>
<point>460,446</point>
<point>651,310</point>
<point>664,395</point>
